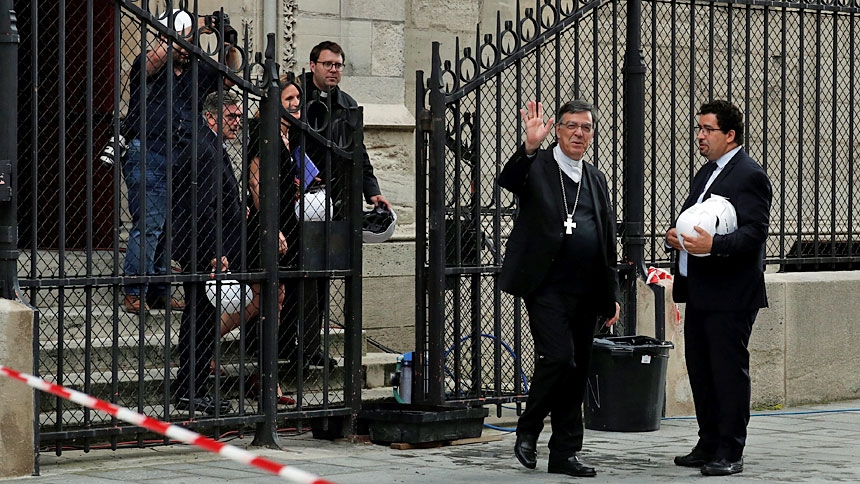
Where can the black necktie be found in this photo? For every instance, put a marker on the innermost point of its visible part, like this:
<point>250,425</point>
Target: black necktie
<point>710,168</point>
<point>709,171</point>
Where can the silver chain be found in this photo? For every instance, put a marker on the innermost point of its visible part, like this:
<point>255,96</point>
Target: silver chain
<point>564,194</point>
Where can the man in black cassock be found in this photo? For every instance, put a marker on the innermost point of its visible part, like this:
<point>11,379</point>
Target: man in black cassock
<point>561,259</point>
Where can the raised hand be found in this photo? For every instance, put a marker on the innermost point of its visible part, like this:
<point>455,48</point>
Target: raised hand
<point>536,129</point>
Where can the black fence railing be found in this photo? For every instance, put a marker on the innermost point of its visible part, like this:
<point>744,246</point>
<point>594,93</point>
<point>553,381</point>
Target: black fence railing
<point>647,66</point>
<point>153,144</point>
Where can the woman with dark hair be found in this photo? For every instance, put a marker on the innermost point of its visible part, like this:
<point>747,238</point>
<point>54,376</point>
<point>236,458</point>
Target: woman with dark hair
<point>291,164</point>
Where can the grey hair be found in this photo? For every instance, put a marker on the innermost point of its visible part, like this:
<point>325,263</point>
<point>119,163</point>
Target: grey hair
<point>577,106</point>
<point>211,102</point>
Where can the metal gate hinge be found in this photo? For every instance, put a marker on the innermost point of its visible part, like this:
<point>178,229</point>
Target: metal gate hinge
<point>425,120</point>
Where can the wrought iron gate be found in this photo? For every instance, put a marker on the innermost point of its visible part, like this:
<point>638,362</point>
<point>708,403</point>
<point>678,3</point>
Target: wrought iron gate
<point>647,66</point>
<point>74,63</point>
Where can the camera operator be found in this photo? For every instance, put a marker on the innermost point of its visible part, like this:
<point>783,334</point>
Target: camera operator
<point>145,251</point>
<point>117,146</point>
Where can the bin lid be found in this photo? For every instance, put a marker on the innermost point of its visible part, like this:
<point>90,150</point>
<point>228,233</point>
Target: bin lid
<point>639,343</point>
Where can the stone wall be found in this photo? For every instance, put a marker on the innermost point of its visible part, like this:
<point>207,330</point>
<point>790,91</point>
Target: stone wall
<point>371,33</point>
<point>443,21</point>
<point>803,348</point>
<point>17,457</point>
<point>388,296</point>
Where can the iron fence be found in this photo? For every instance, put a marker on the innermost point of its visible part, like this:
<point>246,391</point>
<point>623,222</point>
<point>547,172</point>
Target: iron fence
<point>647,66</point>
<point>84,81</point>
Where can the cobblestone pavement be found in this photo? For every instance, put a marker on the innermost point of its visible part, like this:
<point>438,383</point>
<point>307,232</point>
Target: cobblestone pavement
<point>819,443</point>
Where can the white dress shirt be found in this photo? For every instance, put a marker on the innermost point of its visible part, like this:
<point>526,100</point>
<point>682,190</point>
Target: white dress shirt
<point>721,163</point>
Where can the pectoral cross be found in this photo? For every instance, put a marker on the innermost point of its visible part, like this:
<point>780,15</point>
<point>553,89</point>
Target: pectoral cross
<point>569,224</point>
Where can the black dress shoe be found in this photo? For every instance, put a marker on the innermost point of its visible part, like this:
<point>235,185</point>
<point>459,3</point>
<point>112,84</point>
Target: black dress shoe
<point>570,466</point>
<point>696,458</point>
<point>205,404</point>
<point>723,467</point>
<point>526,450</point>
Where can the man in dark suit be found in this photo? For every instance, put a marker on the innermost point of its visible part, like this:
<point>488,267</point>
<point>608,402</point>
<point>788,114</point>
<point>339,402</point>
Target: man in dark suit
<point>561,259</point>
<point>205,189</point>
<point>327,62</point>
<point>723,288</point>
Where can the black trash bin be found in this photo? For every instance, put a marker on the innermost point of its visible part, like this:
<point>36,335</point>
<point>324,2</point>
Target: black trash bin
<point>626,384</point>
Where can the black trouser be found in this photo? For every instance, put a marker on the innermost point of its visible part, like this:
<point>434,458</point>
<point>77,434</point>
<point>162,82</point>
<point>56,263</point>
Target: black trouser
<point>718,363</point>
<point>563,330</point>
<point>289,324</point>
<point>200,321</point>
<point>308,291</point>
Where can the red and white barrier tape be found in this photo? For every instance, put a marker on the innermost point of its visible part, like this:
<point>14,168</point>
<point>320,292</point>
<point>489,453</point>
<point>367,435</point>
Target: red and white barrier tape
<point>291,474</point>
<point>656,275</point>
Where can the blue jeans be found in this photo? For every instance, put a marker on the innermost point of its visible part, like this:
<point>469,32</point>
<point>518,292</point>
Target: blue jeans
<point>150,224</point>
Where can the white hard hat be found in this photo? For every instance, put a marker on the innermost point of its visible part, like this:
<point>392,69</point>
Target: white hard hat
<point>716,216</point>
<point>231,295</point>
<point>181,20</point>
<point>378,225</point>
<point>314,202</point>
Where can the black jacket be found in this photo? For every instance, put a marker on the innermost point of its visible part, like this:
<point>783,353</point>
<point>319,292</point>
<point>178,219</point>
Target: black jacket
<point>341,132</point>
<point>538,231</point>
<point>213,169</point>
<point>732,277</point>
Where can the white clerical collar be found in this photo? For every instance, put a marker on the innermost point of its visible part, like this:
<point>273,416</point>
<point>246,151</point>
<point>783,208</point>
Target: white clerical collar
<point>572,168</point>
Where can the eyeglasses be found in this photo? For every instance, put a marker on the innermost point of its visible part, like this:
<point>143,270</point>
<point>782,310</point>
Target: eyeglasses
<point>705,129</point>
<point>586,128</point>
<point>232,118</point>
<point>331,65</point>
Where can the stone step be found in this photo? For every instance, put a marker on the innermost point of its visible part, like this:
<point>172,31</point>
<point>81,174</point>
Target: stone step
<point>74,414</point>
<point>136,338</point>
<point>76,263</point>
<point>72,296</point>
<point>147,386</point>
<point>378,368</point>
<point>73,321</point>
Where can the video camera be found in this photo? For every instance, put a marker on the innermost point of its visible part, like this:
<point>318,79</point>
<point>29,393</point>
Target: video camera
<point>219,19</point>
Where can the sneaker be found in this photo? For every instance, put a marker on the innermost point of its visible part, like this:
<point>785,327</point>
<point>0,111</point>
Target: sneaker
<point>132,305</point>
<point>205,404</point>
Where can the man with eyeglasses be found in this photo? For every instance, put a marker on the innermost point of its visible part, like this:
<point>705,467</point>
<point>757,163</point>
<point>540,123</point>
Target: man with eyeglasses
<point>207,209</point>
<point>321,83</point>
<point>328,111</point>
<point>163,70</point>
<point>561,259</point>
<point>723,287</point>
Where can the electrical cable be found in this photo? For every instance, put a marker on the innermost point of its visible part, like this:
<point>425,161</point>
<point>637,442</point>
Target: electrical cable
<point>380,345</point>
<point>780,414</point>
<point>513,354</point>
<point>505,345</point>
<point>397,396</point>
<point>368,338</point>
<point>776,414</point>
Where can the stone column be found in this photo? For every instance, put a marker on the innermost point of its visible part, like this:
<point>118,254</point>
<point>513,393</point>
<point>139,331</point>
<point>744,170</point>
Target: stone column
<point>17,456</point>
<point>679,397</point>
